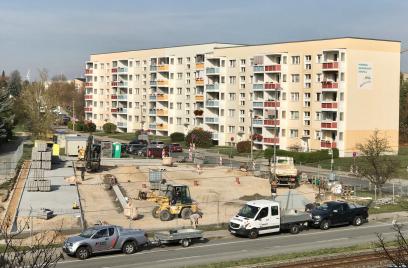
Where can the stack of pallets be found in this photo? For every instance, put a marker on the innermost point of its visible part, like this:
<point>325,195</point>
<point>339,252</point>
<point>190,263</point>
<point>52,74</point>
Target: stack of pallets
<point>40,161</point>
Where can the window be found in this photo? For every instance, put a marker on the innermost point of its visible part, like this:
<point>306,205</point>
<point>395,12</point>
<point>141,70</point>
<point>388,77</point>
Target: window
<point>232,63</point>
<point>178,120</point>
<point>306,133</point>
<point>284,78</point>
<point>319,58</point>
<point>188,59</point>
<point>341,76</point>
<point>340,136</point>
<point>231,129</point>
<point>318,135</point>
<point>283,114</point>
<point>232,96</point>
<point>179,91</point>
<point>294,96</point>
<point>283,132</point>
<point>231,112</point>
<point>242,69</point>
<point>178,105</point>
<point>318,78</point>
<point>130,118</point>
<point>242,79</point>
<point>263,213</point>
<point>283,96</point>
<point>179,76</point>
<point>179,60</point>
<point>294,115</point>
<point>274,211</point>
<point>341,116</point>
<point>111,231</point>
<point>295,78</point>
<point>318,96</point>
<point>342,56</point>
<point>308,58</point>
<point>306,96</point>
<point>306,104</point>
<point>308,77</point>
<point>294,133</point>
<point>130,105</point>
<point>284,59</point>
<point>295,59</point>
<point>101,233</point>
<point>222,129</point>
<point>172,61</point>
<point>341,96</point>
<point>232,80</point>
<point>318,116</point>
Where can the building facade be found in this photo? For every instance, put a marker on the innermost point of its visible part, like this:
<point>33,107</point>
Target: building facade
<point>306,95</point>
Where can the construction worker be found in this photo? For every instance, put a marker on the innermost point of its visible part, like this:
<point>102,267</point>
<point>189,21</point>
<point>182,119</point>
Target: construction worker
<point>274,186</point>
<point>81,153</point>
<point>194,218</point>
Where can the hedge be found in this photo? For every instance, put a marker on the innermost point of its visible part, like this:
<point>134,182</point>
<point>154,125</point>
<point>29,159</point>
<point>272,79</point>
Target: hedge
<point>109,128</point>
<point>89,127</point>
<point>177,136</point>
<point>244,147</point>
<point>303,157</point>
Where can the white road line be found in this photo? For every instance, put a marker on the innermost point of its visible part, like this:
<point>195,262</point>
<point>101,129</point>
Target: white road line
<point>240,241</point>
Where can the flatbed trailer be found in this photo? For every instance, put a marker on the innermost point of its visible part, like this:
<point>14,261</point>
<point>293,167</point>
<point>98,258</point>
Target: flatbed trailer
<point>177,236</point>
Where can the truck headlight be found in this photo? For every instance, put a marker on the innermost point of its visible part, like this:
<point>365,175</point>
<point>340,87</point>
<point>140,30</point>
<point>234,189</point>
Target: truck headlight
<point>317,217</point>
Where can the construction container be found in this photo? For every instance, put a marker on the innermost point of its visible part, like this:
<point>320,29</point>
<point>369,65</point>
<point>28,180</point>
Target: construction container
<point>72,143</point>
<point>116,150</point>
<point>106,149</point>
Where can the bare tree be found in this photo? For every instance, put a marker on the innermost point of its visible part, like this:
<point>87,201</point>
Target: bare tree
<point>375,164</point>
<point>397,254</point>
<point>40,253</point>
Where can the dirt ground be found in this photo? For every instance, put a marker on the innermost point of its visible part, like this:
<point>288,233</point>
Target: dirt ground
<point>215,189</point>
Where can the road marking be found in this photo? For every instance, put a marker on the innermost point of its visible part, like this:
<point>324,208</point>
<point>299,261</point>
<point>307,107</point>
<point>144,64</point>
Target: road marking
<point>241,241</point>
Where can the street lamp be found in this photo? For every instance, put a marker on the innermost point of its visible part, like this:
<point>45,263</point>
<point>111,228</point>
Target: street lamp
<point>274,130</point>
<point>250,136</point>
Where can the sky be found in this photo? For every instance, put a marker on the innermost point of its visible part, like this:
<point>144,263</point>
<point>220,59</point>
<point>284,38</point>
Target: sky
<point>60,35</point>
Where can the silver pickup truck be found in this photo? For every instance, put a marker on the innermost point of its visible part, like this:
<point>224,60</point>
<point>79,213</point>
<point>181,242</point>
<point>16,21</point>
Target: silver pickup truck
<point>104,238</point>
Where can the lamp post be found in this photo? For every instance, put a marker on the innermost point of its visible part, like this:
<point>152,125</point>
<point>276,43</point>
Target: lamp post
<point>250,136</point>
<point>274,130</point>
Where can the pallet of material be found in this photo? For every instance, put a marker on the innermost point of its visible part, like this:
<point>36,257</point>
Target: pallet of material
<point>41,146</point>
<point>35,155</point>
<point>46,156</point>
<point>32,186</point>
<point>46,165</point>
<point>35,164</point>
<point>44,185</point>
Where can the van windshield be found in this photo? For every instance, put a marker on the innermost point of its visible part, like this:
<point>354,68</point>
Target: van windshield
<point>248,211</point>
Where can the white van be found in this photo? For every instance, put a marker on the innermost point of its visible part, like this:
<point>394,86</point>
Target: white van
<point>265,216</point>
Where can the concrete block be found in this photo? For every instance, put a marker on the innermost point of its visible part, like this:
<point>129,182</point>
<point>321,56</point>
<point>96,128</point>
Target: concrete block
<point>46,165</point>
<point>35,155</point>
<point>32,186</point>
<point>36,164</point>
<point>41,146</point>
<point>46,156</point>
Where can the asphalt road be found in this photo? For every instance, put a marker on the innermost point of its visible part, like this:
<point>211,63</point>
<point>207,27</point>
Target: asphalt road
<point>237,248</point>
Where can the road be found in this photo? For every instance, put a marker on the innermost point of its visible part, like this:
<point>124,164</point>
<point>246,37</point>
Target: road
<point>228,249</point>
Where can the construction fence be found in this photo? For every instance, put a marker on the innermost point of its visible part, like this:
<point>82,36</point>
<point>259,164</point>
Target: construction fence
<point>9,162</point>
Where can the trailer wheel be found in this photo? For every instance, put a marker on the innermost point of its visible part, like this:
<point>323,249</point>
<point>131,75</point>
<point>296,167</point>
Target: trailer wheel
<point>155,212</point>
<point>253,233</point>
<point>294,229</point>
<point>185,242</point>
<point>325,225</point>
<point>357,221</point>
<point>165,215</point>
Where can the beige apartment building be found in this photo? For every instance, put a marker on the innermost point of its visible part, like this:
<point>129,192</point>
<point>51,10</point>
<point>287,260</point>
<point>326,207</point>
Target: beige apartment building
<point>309,95</point>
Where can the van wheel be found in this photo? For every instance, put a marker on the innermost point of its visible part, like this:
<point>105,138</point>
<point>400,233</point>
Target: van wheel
<point>325,225</point>
<point>83,253</point>
<point>253,233</point>
<point>129,247</point>
<point>357,221</point>
<point>294,229</point>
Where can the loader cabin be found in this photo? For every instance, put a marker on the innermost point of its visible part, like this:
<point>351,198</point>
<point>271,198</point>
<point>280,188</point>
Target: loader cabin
<point>178,194</point>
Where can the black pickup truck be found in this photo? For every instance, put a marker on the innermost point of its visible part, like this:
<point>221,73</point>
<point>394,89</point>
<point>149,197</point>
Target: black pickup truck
<point>335,213</point>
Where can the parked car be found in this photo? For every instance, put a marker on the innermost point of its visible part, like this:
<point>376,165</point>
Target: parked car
<point>136,141</point>
<point>335,213</point>
<point>156,152</point>
<point>135,148</point>
<point>175,148</point>
<point>104,238</point>
<point>158,144</point>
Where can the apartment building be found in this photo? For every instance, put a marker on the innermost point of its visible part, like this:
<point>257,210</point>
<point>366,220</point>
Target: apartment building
<point>308,95</point>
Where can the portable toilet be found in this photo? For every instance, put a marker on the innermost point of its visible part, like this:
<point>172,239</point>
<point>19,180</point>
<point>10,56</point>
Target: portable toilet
<point>116,151</point>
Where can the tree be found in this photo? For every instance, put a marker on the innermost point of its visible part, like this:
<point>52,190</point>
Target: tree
<point>177,137</point>
<point>403,113</point>
<point>200,138</point>
<point>268,154</point>
<point>397,255</point>
<point>59,78</point>
<point>14,83</point>
<point>375,164</point>
<point>244,147</point>
<point>6,115</point>
<point>3,80</point>
<point>109,128</point>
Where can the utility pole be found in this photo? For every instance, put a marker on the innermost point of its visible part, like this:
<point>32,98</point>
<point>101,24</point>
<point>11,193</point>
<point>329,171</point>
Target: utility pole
<point>251,134</point>
<point>274,130</point>
<point>73,114</point>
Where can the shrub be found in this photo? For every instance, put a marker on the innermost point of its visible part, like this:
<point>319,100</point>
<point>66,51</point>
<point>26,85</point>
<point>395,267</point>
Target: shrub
<point>79,126</point>
<point>177,136</point>
<point>304,157</point>
<point>89,127</point>
<point>109,128</point>
<point>244,147</point>
<point>202,138</point>
<point>69,124</point>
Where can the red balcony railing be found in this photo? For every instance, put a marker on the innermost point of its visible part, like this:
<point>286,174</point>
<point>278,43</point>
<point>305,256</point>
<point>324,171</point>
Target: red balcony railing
<point>269,85</point>
<point>88,71</point>
<point>88,109</point>
<point>114,96</point>
<point>329,105</point>
<point>114,70</point>
<point>329,125</point>
<point>273,68</point>
<point>88,97</point>
<point>330,65</point>
<point>114,84</point>
<point>326,84</point>
<point>271,140</point>
<point>271,104</point>
<point>114,110</point>
<point>327,144</point>
<point>271,122</point>
<point>88,84</point>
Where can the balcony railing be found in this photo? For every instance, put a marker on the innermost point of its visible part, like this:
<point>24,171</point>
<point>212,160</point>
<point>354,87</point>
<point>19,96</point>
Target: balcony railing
<point>161,127</point>
<point>122,70</point>
<point>329,125</point>
<point>199,98</point>
<point>271,140</point>
<point>212,70</point>
<point>329,105</point>
<point>328,85</point>
<point>153,68</point>
<point>88,84</point>
<point>330,65</point>
<point>199,82</point>
<point>212,103</point>
<point>327,144</point>
<point>214,136</point>
<point>114,97</point>
<point>163,68</point>
<point>122,97</point>
<point>162,82</point>
<point>88,97</point>
<point>152,111</point>
<point>88,109</point>
<point>114,83</point>
<point>212,87</point>
<point>123,84</point>
<point>122,110</point>
<point>270,85</point>
<point>153,83</point>
<point>122,124</point>
<point>211,120</point>
<point>152,126</point>
<point>199,66</point>
<point>114,70</point>
<point>162,112</point>
<point>271,122</point>
<point>258,86</point>
<point>258,69</point>
<point>258,122</point>
<point>257,104</point>
<point>271,104</point>
<point>273,68</point>
<point>88,71</point>
<point>162,97</point>
<point>114,110</point>
<point>152,97</point>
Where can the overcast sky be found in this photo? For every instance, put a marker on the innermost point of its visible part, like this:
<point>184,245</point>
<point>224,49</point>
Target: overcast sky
<point>60,35</point>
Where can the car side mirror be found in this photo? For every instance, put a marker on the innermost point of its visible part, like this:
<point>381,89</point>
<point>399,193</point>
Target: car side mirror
<point>335,211</point>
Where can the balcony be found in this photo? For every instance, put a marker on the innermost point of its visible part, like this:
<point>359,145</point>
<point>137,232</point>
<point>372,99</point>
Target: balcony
<point>153,83</point>
<point>257,104</point>
<point>212,70</point>
<point>88,71</point>
<point>271,122</point>
<point>162,112</point>
<point>200,66</point>
<point>114,110</point>
<point>271,85</point>
<point>199,82</point>
<point>122,110</point>
<point>212,103</point>
<point>162,97</point>
<point>329,125</point>
<point>152,97</point>
<point>88,109</point>
<point>163,68</point>
<point>122,84</point>
<point>114,97</point>
<point>153,68</point>
<point>214,136</point>
<point>114,70</point>
<point>122,70</point>
<point>199,98</point>
<point>258,69</point>
<point>162,82</point>
<point>276,68</point>
<point>161,126</point>
<point>212,87</point>
<point>328,144</point>
<point>257,122</point>
<point>122,97</point>
<point>271,104</point>
<point>211,120</point>
<point>152,126</point>
<point>88,84</point>
<point>152,111</point>
<point>329,105</point>
<point>122,124</point>
<point>330,66</point>
<point>271,140</point>
<point>88,97</point>
<point>330,85</point>
<point>114,83</point>
<point>258,86</point>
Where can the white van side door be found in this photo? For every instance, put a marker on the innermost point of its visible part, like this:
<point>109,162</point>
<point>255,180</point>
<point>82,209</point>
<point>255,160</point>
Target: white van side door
<point>275,218</point>
<point>263,219</point>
